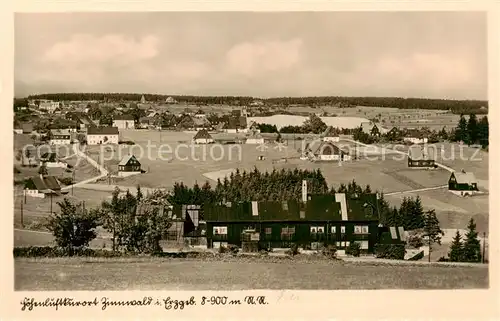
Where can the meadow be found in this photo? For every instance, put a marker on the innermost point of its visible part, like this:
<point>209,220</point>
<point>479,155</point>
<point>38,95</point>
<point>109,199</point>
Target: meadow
<point>87,274</point>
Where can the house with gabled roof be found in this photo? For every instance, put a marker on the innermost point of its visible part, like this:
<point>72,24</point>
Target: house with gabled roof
<point>42,186</point>
<point>330,135</point>
<point>124,122</point>
<point>51,160</point>
<point>203,137</point>
<point>370,128</point>
<point>255,138</point>
<point>102,135</point>
<point>129,165</point>
<point>415,136</point>
<point>326,151</point>
<point>421,157</point>
<point>463,183</point>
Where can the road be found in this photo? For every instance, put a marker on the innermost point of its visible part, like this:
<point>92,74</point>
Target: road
<point>90,160</point>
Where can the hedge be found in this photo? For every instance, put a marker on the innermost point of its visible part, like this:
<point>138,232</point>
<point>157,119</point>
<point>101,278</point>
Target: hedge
<point>49,251</point>
<point>390,251</point>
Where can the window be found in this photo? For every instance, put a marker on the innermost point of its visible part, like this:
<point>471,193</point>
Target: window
<point>268,230</point>
<point>363,245</point>
<point>334,229</point>
<point>302,214</point>
<point>342,244</point>
<point>337,244</point>
<point>220,230</point>
<point>287,233</point>
<point>364,229</point>
<point>313,230</point>
<point>342,229</point>
<point>357,229</point>
<point>285,206</point>
<point>347,243</point>
<point>321,229</point>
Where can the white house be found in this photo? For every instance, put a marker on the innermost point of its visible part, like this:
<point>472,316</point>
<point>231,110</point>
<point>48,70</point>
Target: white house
<point>255,138</point>
<point>203,137</point>
<point>40,186</point>
<point>170,100</point>
<point>51,160</point>
<point>124,122</point>
<point>414,136</point>
<point>326,151</point>
<point>102,135</point>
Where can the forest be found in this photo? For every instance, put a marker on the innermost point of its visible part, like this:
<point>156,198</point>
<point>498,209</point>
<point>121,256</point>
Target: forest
<point>455,106</point>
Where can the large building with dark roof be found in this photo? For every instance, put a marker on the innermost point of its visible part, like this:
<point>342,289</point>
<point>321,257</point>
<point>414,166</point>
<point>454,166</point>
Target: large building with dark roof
<point>324,219</point>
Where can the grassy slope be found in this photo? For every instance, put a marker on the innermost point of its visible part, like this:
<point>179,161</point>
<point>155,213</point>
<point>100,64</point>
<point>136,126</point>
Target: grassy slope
<point>164,274</point>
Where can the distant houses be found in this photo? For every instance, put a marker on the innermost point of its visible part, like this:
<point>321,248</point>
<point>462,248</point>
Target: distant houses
<point>42,186</point>
<point>203,137</point>
<point>129,165</point>
<point>371,129</point>
<point>462,183</point>
<point>51,160</point>
<point>124,122</point>
<point>170,100</point>
<point>48,105</point>
<point>421,157</point>
<point>102,135</point>
<point>415,137</point>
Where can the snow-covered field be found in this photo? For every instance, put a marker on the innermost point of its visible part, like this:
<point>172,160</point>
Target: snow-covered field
<point>292,120</point>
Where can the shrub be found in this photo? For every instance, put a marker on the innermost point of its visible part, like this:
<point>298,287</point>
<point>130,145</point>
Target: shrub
<point>353,249</point>
<point>49,251</point>
<point>330,251</point>
<point>223,249</point>
<point>390,251</point>
<point>415,241</point>
<point>443,259</point>
<point>417,257</point>
<point>294,250</point>
<point>233,249</point>
<point>66,180</point>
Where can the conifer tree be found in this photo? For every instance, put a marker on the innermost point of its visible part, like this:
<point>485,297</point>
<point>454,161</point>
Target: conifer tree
<point>471,245</point>
<point>461,130</point>
<point>456,248</point>
<point>432,230</point>
<point>472,130</point>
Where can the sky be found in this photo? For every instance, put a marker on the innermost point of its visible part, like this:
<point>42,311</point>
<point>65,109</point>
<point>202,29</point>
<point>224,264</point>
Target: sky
<point>259,54</point>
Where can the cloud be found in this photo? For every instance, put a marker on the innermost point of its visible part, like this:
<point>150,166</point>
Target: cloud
<point>110,48</point>
<point>251,59</point>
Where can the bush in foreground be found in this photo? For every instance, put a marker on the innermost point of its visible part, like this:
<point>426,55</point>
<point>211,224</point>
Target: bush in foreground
<point>353,249</point>
<point>390,251</point>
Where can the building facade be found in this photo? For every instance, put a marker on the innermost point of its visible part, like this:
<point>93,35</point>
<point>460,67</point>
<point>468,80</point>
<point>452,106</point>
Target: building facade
<point>102,135</point>
<point>421,157</point>
<point>323,219</point>
<point>129,165</point>
<point>124,122</point>
<point>463,183</point>
<point>60,139</point>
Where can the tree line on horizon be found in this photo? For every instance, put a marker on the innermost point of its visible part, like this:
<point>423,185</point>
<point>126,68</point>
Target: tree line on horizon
<point>455,106</point>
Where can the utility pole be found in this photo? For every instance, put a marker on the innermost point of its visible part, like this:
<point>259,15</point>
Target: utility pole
<point>51,203</point>
<point>24,195</point>
<point>73,182</point>
<point>484,245</point>
<point>22,215</point>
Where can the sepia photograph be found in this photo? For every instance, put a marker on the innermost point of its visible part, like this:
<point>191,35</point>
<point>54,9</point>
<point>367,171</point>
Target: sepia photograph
<point>221,151</point>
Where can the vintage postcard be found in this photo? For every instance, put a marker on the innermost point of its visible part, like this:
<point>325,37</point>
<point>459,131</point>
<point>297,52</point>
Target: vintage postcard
<point>211,164</point>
